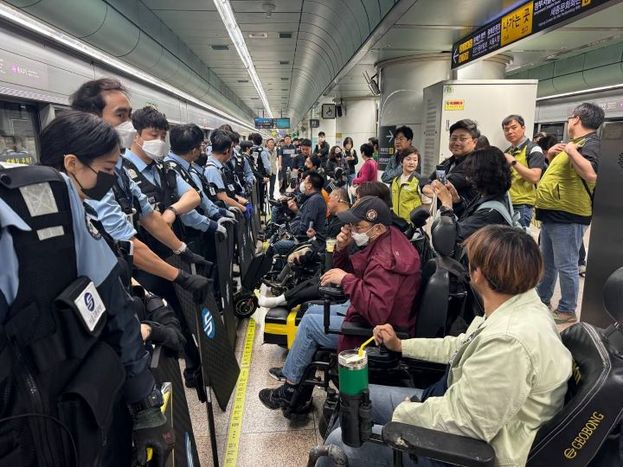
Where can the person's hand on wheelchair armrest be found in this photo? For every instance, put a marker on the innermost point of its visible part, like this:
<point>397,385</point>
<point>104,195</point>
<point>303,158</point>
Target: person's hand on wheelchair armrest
<point>385,334</point>
<point>333,276</point>
<point>311,233</point>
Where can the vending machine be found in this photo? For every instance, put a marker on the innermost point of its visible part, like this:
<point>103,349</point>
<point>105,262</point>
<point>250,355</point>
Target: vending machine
<point>487,102</point>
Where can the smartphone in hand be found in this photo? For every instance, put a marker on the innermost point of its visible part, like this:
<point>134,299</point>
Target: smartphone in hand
<point>440,173</point>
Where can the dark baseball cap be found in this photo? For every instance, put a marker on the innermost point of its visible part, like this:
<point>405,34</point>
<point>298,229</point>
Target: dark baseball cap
<point>369,208</point>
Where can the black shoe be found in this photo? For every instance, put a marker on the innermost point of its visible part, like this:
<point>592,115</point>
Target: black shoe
<point>277,373</point>
<point>190,377</point>
<point>277,398</point>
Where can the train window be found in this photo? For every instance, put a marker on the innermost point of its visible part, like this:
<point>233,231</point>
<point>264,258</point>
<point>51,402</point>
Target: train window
<point>556,129</point>
<point>18,133</point>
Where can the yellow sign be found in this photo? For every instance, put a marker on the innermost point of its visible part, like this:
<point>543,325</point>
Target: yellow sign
<point>517,24</point>
<point>454,104</point>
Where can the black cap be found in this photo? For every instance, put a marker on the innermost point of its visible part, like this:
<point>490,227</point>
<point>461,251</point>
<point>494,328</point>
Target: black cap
<point>369,208</point>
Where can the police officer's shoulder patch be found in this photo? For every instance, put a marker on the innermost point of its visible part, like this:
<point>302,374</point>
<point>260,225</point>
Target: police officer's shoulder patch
<point>88,219</point>
<point>132,173</point>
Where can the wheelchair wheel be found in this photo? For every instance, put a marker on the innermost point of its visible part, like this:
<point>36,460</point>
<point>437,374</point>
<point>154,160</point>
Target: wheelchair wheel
<point>245,304</point>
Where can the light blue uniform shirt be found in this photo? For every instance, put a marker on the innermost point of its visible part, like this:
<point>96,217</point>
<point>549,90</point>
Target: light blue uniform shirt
<point>192,219</point>
<point>265,155</point>
<point>249,177</point>
<point>213,173</point>
<point>93,256</point>
<point>214,212</point>
<point>110,214</point>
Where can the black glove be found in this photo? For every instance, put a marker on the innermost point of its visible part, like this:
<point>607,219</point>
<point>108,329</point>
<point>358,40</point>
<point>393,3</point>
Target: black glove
<point>195,283</point>
<point>190,257</point>
<point>152,430</point>
<point>167,336</point>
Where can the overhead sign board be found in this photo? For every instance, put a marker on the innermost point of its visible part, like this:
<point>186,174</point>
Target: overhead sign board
<point>262,123</point>
<point>527,19</point>
<point>281,123</point>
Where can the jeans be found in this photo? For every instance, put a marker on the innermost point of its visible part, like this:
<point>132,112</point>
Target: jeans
<point>309,336</point>
<point>525,214</point>
<point>560,245</point>
<point>384,400</point>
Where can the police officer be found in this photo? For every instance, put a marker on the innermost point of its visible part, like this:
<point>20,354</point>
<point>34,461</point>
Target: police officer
<point>207,217</point>
<point>125,206</point>
<point>527,162</point>
<point>218,177</point>
<point>67,323</point>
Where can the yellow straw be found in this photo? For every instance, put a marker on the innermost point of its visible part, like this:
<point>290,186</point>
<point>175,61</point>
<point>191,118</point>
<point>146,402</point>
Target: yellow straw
<point>364,345</point>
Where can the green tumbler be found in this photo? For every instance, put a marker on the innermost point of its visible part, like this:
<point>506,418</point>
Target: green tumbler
<point>353,372</point>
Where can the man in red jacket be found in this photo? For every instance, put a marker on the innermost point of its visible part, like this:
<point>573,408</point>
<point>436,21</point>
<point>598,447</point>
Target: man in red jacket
<point>381,282</point>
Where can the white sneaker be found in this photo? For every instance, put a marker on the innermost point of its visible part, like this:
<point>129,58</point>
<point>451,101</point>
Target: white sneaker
<point>271,302</point>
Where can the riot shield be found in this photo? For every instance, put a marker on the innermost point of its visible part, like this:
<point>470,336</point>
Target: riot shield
<point>244,244</point>
<point>218,361</point>
<point>227,286</point>
<point>166,369</point>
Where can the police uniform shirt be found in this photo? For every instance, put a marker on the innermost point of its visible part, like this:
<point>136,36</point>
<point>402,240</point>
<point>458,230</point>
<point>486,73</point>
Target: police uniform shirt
<point>193,218</point>
<point>249,178</point>
<point>265,155</point>
<point>93,256</point>
<point>150,171</point>
<point>214,212</point>
<point>213,173</point>
<point>114,221</point>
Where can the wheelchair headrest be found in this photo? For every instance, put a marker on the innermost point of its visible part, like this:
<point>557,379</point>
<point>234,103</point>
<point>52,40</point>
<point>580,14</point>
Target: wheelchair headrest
<point>419,216</point>
<point>443,236</point>
<point>613,295</point>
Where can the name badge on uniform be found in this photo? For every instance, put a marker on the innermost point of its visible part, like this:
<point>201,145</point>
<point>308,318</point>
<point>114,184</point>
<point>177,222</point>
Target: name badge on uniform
<point>90,306</point>
<point>230,187</point>
<point>212,191</point>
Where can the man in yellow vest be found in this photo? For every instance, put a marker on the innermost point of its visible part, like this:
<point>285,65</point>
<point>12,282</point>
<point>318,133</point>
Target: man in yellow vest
<point>527,161</point>
<point>564,205</point>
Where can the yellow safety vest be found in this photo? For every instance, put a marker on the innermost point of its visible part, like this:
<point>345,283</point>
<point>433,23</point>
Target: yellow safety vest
<point>522,191</point>
<point>405,196</point>
<point>562,189</point>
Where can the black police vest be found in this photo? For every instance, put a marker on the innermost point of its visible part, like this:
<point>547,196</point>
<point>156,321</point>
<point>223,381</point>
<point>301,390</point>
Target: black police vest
<point>256,153</point>
<point>209,190</point>
<point>228,178</point>
<point>51,353</point>
<point>185,175</point>
<point>159,197</point>
<point>123,195</point>
<point>236,164</point>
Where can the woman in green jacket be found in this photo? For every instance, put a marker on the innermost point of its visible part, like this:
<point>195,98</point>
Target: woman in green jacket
<point>406,194</point>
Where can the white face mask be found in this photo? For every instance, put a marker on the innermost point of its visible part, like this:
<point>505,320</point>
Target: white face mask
<point>126,133</point>
<point>155,149</point>
<point>361,238</point>
<point>302,187</point>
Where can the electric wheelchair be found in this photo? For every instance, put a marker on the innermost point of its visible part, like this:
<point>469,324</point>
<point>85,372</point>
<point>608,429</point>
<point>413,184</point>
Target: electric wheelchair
<point>586,432</point>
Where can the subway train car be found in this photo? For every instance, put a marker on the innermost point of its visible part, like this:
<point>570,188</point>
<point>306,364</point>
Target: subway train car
<point>411,256</point>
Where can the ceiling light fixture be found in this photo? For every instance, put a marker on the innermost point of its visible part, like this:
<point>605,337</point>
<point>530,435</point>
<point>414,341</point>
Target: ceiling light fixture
<point>229,20</point>
<point>30,23</point>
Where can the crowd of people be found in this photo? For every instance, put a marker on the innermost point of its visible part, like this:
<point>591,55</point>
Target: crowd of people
<point>130,191</point>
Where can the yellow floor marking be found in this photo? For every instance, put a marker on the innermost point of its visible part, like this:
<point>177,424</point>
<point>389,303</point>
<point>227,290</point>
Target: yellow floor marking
<point>237,413</point>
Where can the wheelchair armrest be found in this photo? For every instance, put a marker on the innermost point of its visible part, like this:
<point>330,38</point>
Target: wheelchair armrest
<point>331,292</point>
<point>444,447</point>
<point>352,328</point>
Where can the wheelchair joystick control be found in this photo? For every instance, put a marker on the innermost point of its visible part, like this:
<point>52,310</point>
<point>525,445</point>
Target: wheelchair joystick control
<point>355,406</point>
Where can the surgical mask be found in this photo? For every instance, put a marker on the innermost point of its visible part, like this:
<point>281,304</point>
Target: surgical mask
<point>103,184</point>
<point>155,149</point>
<point>302,187</point>
<point>126,133</point>
<point>361,238</point>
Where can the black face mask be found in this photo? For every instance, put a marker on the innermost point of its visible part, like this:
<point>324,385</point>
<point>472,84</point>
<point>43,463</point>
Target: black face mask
<point>104,183</point>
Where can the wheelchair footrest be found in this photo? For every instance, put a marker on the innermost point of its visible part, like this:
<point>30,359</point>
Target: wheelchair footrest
<point>280,325</point>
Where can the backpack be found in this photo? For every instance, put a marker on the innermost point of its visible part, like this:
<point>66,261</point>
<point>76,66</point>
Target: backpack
<point>505,210</point>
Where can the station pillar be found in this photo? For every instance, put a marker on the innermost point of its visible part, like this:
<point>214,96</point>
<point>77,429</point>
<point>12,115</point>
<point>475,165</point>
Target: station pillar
<point>403,80</point>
